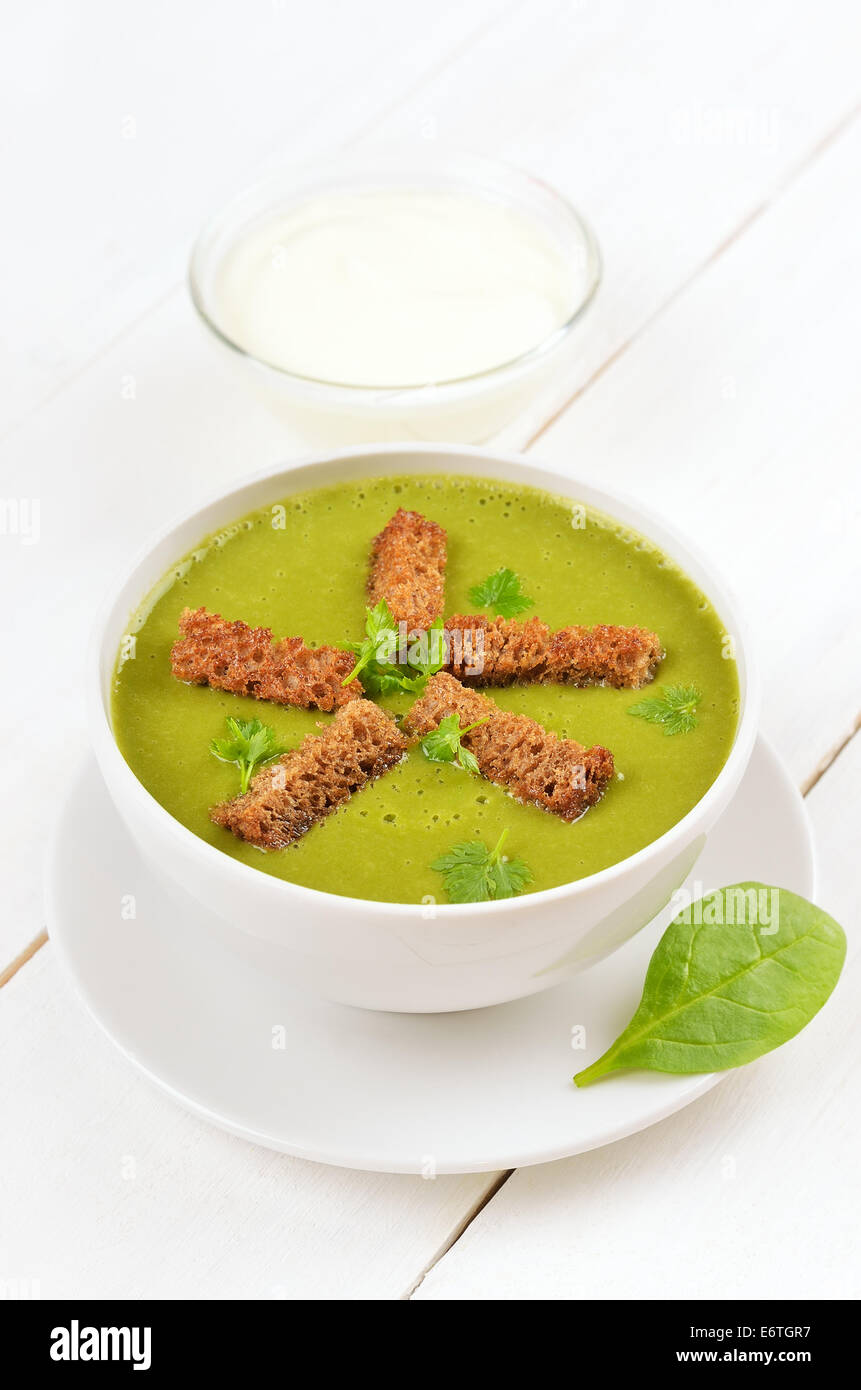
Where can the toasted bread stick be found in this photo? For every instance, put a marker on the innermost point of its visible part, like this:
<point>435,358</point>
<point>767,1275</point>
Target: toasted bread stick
<point>304,786</point>
<point>502,651</point>
<point>557,774</point>
<point>246,661</point>
<point>408,569</point>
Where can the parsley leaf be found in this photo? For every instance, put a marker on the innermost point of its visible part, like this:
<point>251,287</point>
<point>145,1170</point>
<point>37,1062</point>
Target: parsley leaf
<point>434,651</point>
<point>501,592</point>
<point>381,640</point>
<point>675,708</point>
<point>250,743</point>
<point>443,744</point>
<point>377,655</point>
<point>381,680</point>
<point>475,874</point>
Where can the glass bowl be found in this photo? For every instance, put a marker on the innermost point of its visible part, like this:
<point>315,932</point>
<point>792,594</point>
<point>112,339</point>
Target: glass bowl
<point>468,409</point>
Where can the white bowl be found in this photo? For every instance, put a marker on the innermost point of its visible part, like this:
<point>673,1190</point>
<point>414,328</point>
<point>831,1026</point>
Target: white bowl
<point>404,957</point>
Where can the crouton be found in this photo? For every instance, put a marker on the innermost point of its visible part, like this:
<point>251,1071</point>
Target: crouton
<point>557,774</point>
<point>502,651</point>
<point>246,661</point>
<point>408,560</point>
<point>307,784</point>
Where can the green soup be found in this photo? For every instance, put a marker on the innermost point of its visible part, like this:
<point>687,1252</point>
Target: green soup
<point>305,574</point>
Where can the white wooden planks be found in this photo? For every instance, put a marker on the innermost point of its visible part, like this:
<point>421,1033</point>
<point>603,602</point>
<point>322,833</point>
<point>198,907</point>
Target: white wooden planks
<point>107,1189</point>
<point>127,124</point>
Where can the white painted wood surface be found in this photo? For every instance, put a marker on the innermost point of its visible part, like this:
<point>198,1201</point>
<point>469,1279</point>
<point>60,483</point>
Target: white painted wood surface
<point>715,150</point>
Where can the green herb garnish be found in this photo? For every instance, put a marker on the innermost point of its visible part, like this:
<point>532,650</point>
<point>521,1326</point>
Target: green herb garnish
<point>381,640</point>
<point>720,991</point>
<point>675,708</point>
<point>475,874</point>
<point>392,680</point>
<point>501,592</point>
<point>376,656</point>
<point>250,744</point>
<point>443,744</point>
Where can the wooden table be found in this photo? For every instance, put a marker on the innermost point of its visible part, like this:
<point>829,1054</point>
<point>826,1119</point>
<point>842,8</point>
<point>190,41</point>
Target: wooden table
<point>716,149</point>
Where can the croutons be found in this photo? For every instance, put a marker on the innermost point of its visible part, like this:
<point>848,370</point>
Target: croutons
<point>408,560</point>
<point>245,660</point>
<point>557,774</point>
<point>304,786</point>
<point>502,651</point>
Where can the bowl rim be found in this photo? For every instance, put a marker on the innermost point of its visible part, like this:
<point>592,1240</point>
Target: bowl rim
<point>439,163</point>
<point>719,594</point>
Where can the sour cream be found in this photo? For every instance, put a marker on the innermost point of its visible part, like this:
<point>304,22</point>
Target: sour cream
<point>395,288</point>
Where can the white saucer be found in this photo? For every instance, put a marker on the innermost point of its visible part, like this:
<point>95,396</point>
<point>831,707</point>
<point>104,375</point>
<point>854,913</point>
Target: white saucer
<point>403,1093</point>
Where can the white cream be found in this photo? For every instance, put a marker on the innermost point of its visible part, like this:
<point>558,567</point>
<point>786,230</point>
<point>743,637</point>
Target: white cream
<point>395,288</point>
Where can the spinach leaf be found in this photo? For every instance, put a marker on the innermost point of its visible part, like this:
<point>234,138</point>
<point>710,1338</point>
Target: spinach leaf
<point>737,973</point>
